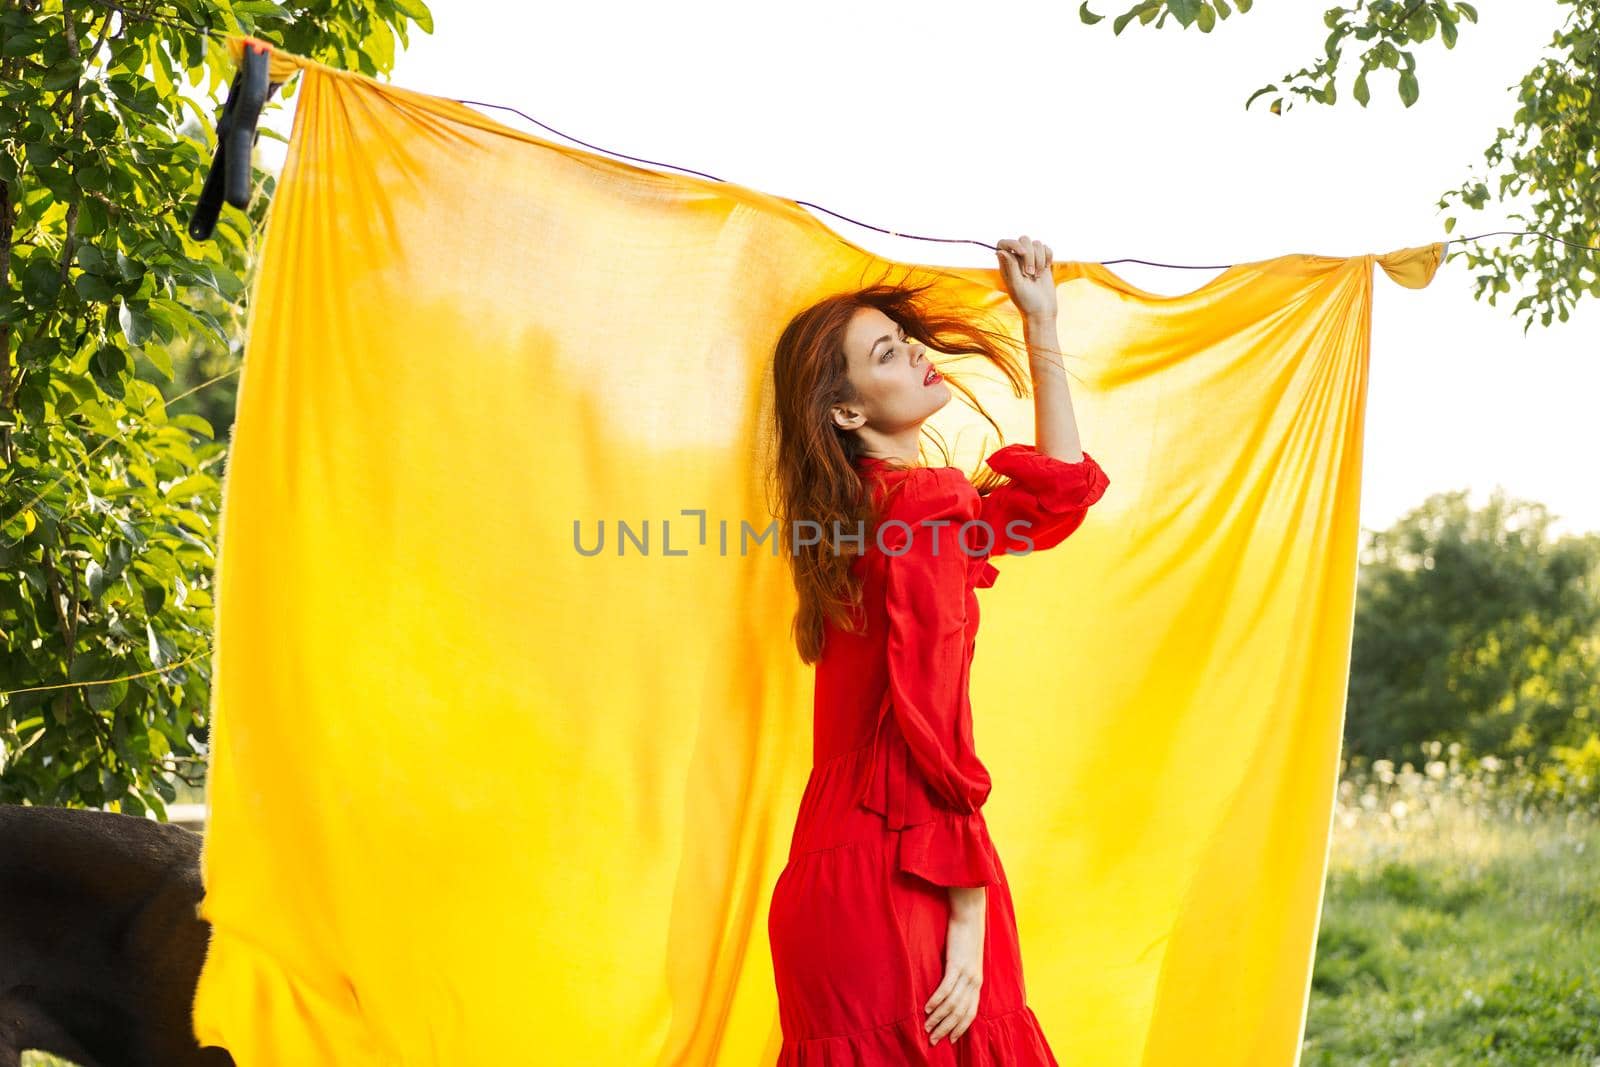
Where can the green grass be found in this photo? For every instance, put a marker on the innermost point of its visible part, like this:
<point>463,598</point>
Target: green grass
<point>1461,923</point>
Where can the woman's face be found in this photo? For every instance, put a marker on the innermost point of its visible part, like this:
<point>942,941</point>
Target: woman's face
<point>896,384</point>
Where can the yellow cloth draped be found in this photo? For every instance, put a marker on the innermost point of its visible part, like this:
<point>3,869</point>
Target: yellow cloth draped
<point>477,797</point>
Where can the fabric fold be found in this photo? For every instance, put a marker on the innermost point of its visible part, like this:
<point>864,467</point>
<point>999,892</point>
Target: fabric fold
<point>280,1000</point>
<point>1012,1038</point>
<point>954,849</point>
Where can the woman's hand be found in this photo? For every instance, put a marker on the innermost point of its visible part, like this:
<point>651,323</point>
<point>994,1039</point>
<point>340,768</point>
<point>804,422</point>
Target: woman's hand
<point>1031,284</point>
<point>955,1003</point>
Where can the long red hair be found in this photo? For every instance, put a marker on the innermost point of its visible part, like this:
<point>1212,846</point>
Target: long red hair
<point>815,460</point>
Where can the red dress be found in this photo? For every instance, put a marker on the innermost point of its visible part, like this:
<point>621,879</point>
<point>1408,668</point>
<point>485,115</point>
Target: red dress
<point>890,815</point>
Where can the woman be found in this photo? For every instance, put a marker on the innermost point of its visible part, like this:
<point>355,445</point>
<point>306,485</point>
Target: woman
<point>892,933</point>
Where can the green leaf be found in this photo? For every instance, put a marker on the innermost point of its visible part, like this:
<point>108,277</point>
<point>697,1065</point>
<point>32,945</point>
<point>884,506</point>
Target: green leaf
<point>106,697</point>
<point>160,72</point>
<point>1449,223</point>
<point>1087,17</point>
<point>64,75</point>
<point>193,485</point>
<point>167,321</point>
<point>1205,18</point>
<point>159,358</point>
<point>41,280</point>
<point>1264,89</point>
<point>21,44</point>
<point>42,154</point>
<point>418,12</point>
<point>31,400</point>
<point>135,324</point>
<point>131,270</point>
<point>1408,88</point>
<point>1469,11</point>
<point>93,288</point>
<point>228,283</point>
<point>108,362</point>
<point>155,596</point>
<point>94,178</point>
<point>1185,11</point>
<point>91,218</point>
<point>261,8</point>
<point>20,525</point>
<point>118,553</point>
<point>1447,32</point>
<point>1421,25</point>
<point>1362,93</point>
<point>90,258</point>
<point>100,125</point>
<point>95,576</point>
<point>195,423</point>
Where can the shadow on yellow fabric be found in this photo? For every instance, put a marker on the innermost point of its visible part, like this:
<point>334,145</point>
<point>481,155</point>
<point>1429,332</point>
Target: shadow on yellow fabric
<point>479,795</point>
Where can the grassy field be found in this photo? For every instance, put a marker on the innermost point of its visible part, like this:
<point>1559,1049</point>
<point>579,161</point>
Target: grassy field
<point>1461,925</point>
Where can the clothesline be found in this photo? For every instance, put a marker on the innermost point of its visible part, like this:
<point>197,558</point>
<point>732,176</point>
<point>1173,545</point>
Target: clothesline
<point>223,35</point>
<point>961,240</point>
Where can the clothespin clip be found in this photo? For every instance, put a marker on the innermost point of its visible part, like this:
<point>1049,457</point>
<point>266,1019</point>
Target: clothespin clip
<point>229,177</point>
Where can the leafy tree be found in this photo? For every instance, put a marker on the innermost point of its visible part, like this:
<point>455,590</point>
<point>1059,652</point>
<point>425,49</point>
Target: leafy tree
<point>109,495</point>
<point>1474,626</point>
<point>1546,152</point>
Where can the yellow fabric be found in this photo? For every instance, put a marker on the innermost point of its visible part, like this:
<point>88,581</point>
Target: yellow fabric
<point>478,798</point>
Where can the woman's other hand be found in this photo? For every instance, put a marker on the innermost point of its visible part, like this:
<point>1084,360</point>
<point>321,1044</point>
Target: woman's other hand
<point>954,1004</point>
<point>1025,267</point>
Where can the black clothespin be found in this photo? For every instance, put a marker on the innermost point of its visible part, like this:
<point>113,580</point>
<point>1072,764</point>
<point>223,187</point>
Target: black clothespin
<point>229,177</point>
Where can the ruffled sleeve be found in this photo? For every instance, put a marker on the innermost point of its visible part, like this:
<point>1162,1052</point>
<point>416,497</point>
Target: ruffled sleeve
<point>1046,498</point>
<point>924,775</point>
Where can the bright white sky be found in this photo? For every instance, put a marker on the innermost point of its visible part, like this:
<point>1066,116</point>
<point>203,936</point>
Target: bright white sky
<point>1104,147</point>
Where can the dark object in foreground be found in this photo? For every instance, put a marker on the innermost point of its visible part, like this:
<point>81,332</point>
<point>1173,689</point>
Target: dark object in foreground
<point>229,176</point>
<point>100,941</point>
